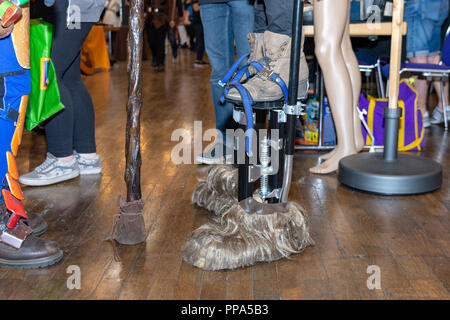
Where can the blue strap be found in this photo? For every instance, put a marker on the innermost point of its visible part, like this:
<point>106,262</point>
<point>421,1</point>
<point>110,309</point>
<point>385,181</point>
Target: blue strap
<point>239,75</point>
<point>277,79</point>
<point>248,102</point>
<point>233,69</point>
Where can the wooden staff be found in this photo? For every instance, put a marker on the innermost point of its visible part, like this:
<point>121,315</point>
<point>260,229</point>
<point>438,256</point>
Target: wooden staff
<point>396,53</point>
<point>134,104</point>
<point>393,113</point>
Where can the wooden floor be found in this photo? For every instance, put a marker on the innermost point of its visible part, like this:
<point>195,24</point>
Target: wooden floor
<point>407,237</point>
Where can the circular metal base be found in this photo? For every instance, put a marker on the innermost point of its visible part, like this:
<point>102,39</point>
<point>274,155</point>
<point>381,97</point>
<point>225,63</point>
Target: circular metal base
<point>407,175</point>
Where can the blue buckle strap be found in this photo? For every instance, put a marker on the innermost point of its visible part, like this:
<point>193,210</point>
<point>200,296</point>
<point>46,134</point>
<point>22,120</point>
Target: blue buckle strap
<point>277,79</point>
<point>238,76</point>
<point>233,69</point>
<point>248,102</point>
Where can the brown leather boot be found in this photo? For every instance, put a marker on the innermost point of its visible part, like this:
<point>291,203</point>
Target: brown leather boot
<point>34,221</point>
<point>34,252</point>
<point>276,60</point>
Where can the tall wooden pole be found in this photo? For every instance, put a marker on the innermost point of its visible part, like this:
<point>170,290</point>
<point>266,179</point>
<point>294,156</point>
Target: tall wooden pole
<point>396,53</point>
<point>392,113</point>
<point>134,105</point>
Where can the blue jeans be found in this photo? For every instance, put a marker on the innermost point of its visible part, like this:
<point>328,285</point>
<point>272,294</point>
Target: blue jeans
<point>223,25</point>
<point>425,19</point>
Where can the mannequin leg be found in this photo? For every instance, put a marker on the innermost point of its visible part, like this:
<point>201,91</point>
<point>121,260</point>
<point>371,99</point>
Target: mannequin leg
<point>355,76</point>
<point>331,22</point>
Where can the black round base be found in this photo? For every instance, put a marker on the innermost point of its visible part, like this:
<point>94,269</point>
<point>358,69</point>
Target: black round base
<point>407,175</point>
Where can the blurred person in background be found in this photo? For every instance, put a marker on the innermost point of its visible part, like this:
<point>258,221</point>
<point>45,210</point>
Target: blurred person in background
<point>161,21</point>
<point>423,45</point>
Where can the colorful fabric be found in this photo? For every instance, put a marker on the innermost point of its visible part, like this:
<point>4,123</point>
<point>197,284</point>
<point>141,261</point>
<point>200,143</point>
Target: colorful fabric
<point>8,58</point>
<point>411,129</point>
<point>45,99</point>
<point>13,101</point>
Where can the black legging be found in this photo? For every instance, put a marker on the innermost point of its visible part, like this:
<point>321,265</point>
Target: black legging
<point>74,127</point>
<point>156,40</point>
<point>199,41</point>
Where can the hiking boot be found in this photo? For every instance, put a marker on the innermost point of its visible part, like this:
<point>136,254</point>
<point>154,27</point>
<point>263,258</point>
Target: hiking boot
<point>88,165</point>
<point>51,171</point>
<point>256,42</point>
<point>276,59</point>
<point>34,253</point>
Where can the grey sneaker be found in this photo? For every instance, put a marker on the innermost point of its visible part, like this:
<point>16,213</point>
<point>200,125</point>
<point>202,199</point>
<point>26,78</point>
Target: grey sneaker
<point>51,171</point>
<point>426,119</point>
<point>438,115</point>
<point>87,165</point>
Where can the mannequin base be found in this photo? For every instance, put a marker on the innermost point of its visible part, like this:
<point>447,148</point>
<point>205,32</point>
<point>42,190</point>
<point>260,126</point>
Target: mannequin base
<point>406,176</point>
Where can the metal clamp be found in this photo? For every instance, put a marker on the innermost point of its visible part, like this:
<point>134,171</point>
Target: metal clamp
<point>282,118</point>
<point>266,73</point>
<point>295,110</point>
<point>257,171</point>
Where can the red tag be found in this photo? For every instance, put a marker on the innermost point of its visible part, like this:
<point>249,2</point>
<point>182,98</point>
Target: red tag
<point>13,204</point>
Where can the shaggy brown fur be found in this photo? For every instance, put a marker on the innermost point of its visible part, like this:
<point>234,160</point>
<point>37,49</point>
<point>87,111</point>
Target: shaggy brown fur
<point>219,192</point>
<point>238,239</point>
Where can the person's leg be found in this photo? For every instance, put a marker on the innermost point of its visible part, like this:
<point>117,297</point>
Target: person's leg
<point>151,37</point>
<point>279,16</point>
<point>260,24</point>
<point>242,15</point>
<point>417,46</point>
<point>66,48</point>
<point>435,45</point>
<point>83,108</point>
<point>200,42</point>
<point>60,164</point>
<point>173,42</point>
<point>216,23</point>
<point>435,59</point>
<point>330,23</point>
<point>160,44</point>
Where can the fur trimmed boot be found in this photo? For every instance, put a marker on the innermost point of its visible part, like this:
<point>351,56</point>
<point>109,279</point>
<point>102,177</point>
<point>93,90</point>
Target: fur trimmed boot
<point>276,59</point>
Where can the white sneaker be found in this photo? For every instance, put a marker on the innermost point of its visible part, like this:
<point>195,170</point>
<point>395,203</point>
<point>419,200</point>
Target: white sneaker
<point>51,171</point>
<point>88,165</point>
<point>438,115</point>
<point>426,119</point>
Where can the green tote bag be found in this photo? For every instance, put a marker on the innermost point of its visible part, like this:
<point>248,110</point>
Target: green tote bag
<point>44,99</point>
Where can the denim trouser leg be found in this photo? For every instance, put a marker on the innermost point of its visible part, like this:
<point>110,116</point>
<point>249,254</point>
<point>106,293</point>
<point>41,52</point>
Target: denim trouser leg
<point>242,20</point>
<point>279,16</point>
<point>220,30</point>
<point>260,24</point>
